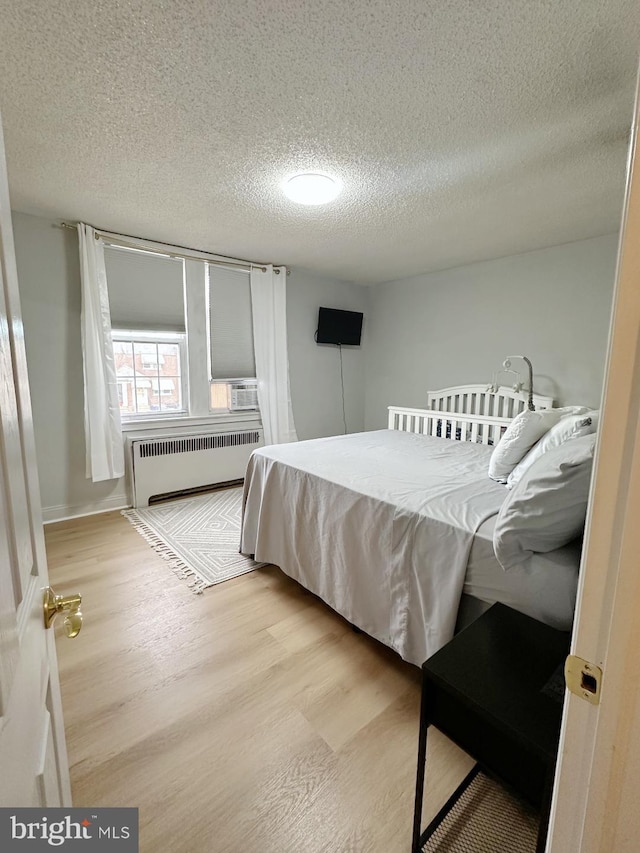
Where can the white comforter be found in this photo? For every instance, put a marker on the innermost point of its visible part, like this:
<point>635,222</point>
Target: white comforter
<point>378,524</point>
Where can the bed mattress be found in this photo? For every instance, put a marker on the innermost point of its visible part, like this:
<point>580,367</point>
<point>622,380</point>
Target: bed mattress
<point>378,524</point>
<point>544,586</point>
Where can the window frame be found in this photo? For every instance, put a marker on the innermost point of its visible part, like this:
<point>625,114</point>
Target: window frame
<point>196,378</point>
<point>133,336</point>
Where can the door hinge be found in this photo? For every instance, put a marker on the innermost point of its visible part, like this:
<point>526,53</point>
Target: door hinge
<point>582,678</point>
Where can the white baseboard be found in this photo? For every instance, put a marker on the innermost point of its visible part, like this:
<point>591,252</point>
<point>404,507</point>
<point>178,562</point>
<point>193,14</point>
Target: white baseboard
<point>63,512</point>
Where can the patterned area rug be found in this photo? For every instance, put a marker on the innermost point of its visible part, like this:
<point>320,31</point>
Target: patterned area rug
<point>198,537</point>
<point>486,819</point>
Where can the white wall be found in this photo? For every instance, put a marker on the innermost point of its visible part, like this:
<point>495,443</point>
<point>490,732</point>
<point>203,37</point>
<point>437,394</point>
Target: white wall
<point>315,368</point>
<point>457,326</point>
<point>49,279</point>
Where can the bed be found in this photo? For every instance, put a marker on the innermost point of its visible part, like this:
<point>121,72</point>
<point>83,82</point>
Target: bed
<point>393,528</point>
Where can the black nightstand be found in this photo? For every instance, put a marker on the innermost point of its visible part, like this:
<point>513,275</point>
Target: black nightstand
<point>497,690</point>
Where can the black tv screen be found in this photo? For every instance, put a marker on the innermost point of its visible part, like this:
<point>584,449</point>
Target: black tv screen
<point>339,327</point>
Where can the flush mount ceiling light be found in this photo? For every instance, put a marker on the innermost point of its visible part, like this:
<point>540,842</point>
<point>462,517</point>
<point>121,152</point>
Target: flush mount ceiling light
<point>312,188</point>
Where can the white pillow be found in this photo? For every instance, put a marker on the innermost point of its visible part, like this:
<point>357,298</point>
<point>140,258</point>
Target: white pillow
<point>521,434</point>
<point>565,411</point>
<point>574,426</point>
<point>547,508</point>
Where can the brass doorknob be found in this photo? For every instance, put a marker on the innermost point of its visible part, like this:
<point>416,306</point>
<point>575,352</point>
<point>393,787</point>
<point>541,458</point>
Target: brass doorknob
<point>67,604</point>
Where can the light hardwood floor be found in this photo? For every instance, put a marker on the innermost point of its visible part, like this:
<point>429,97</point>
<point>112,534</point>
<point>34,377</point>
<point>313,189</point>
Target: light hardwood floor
<point>250,717</point>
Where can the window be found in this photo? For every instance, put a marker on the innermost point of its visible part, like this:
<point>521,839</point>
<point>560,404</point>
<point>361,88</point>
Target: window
<point>147,305</point>
<point>149,372</point>
<point>220,395</point>
<point>182,335</point>
<point>151,358</point>
<point>230,330</point>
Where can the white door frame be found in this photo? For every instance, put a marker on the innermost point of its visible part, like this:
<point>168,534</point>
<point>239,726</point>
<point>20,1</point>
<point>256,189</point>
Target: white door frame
<point>595,807</point>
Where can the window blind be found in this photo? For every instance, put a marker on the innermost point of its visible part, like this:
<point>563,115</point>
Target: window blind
<point>230,324</point>
<point>146,290</point>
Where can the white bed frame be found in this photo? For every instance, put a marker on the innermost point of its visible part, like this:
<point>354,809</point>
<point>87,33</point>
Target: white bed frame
<point>466,413</point>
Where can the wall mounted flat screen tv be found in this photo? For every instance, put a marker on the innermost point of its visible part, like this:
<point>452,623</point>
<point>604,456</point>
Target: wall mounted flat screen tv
<point>339,327</point>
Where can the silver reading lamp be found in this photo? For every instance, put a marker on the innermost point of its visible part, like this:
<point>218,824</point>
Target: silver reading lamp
<point>507,364</point>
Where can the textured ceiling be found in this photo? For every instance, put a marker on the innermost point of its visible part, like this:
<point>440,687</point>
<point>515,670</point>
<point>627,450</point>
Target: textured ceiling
<point>461,130</point>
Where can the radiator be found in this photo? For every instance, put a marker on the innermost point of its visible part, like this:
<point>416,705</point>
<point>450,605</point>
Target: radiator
<point>173,465</point>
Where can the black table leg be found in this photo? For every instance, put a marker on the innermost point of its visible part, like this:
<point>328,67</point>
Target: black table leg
<point>422,755</point>
<point>545,809</point>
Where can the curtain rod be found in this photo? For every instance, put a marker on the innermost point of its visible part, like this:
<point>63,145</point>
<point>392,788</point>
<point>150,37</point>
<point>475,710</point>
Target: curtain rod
<point>208,256</point>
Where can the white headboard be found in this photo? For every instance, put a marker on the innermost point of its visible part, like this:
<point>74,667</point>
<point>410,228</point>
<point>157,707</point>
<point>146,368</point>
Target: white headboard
<point>476,400</point>
<point>472,413</point>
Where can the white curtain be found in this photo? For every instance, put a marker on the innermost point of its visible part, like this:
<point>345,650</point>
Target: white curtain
<point>269,310</point>
<point>102,427</point>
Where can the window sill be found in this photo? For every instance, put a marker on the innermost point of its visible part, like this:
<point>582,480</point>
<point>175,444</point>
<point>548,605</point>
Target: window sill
<point>180,422</point>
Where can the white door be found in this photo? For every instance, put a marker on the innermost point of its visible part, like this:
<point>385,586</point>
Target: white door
<point>595,803</point>
<point>33,759</point>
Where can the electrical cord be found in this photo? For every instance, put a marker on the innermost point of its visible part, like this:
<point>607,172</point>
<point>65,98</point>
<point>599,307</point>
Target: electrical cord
<point>344,414</point>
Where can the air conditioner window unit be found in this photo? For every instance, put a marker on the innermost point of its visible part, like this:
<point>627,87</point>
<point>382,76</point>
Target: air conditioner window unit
<point>243,395</point>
